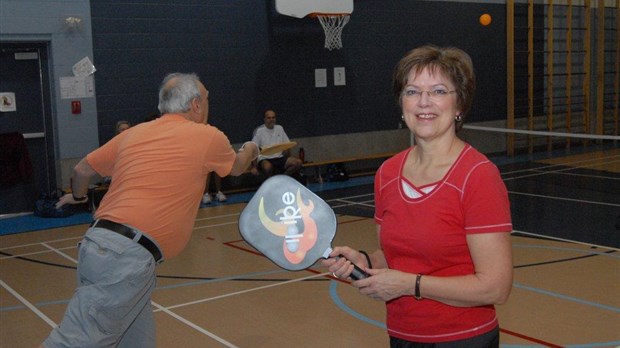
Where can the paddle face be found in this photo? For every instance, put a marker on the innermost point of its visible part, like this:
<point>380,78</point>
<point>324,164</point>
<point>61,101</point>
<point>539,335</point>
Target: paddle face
<point>273,149</point>
<point>288,223</point>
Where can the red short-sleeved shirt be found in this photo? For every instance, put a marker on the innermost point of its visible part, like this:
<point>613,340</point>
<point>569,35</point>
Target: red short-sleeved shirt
<point>427,235</point>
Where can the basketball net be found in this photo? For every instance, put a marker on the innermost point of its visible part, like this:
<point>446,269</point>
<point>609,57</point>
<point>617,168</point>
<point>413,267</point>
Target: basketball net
<point>332,26</point>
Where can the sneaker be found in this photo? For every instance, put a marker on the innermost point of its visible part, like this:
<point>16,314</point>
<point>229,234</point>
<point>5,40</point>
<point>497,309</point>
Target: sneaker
<point>221,197</point>
<point>206,199</point>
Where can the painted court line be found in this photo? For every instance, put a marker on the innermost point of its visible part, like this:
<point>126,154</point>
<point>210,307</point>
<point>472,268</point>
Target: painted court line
<point>39,243</point>
<point>194,326</point>
<point>563,198</point>
<point>34,253</point>
<point>348,203</point>
<point>174,315</point>
<point>564,240</point>
<point>57,251</point>
<point>217,216</point>
<point>567,298</point>
<point>27,303</point>
<point>574,164</point>
<point>247,290</point>
<point>216,225</point>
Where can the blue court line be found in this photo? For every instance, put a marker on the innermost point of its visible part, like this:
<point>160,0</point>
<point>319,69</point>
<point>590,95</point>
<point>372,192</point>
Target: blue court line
<point>584,251</point>
<point>336,299</point>
<point>333,292</point>
<point>567,298</point>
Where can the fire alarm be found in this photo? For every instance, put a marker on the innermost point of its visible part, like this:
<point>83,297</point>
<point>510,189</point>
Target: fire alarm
<point>76,107</point>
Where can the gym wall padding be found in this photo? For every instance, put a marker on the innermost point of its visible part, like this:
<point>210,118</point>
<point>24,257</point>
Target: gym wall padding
<point>251,58</point>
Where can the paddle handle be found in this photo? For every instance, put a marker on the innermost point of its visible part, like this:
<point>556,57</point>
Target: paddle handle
<point>358,273</point>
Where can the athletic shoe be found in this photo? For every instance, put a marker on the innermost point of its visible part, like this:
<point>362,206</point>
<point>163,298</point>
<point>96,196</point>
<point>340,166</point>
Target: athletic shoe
<point>221,197</point>
<point>206,199</point>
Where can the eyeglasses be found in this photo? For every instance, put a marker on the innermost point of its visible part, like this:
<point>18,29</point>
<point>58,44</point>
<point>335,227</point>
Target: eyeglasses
<point>435,94</point>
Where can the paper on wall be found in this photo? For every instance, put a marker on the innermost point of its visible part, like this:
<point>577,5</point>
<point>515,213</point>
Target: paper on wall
<point>84,67</point>
<point>77,87</point>
<point>7,102</point>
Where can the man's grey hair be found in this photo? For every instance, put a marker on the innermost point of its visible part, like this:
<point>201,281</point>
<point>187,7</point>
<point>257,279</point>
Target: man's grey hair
<point>177,96</point>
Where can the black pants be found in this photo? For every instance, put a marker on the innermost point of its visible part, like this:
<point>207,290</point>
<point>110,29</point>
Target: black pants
<point>487,340</point>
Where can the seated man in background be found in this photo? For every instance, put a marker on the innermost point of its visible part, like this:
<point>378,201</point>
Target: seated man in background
<point>219,195</point>
<point>270,134</point>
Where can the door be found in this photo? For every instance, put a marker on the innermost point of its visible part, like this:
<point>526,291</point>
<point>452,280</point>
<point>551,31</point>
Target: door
<point>24,74</point>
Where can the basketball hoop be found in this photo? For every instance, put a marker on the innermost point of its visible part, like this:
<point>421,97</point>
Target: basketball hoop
<point>332,14</point>
<point>332,26</point>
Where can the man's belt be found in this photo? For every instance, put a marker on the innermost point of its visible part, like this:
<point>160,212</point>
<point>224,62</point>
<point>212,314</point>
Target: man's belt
<point>131,234</point>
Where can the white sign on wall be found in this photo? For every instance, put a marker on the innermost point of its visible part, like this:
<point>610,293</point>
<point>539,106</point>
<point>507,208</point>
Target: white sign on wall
<point>7,102</point>
<point>84,67</point>
<point>320,77</point>
<point>77,87</point>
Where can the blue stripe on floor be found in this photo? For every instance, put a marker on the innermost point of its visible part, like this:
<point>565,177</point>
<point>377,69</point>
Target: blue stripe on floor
<point>27,223</point>
<point>30,222</point>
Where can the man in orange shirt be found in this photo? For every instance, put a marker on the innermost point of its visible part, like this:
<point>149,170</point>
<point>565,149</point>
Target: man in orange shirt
<point>147,215</point>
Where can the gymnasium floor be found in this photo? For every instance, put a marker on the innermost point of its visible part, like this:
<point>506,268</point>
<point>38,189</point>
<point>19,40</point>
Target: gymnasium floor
<point>221,293</point>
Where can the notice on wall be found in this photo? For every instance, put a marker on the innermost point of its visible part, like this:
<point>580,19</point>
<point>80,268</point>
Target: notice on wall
<point>84,67</point>
<point>320,77</point>
<point>77,87</point>
<point>7,102</point>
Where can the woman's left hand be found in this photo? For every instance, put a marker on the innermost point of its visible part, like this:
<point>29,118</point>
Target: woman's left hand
<point>386,284</point>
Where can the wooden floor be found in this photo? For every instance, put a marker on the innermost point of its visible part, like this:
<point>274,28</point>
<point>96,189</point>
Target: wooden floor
<point>221,293</point>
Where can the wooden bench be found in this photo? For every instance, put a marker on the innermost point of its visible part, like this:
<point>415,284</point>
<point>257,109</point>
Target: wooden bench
<point>319,164</point>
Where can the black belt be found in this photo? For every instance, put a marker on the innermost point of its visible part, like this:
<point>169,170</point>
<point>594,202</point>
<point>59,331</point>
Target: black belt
<point>131,234</point>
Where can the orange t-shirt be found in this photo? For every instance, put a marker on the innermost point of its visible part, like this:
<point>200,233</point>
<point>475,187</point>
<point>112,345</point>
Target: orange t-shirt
<point>159,171</point>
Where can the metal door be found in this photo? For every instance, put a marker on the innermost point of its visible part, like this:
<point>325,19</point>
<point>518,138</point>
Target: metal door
<point>24,72</point>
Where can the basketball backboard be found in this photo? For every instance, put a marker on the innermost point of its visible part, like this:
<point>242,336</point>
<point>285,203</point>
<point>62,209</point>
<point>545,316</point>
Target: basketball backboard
<point>302,8</point>
<point>332,14</point>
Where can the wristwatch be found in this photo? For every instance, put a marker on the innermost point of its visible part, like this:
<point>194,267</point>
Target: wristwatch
<point>79,199</point>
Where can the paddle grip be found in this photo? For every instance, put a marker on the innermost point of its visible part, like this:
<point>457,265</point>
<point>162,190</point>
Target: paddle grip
<point>358,273</point>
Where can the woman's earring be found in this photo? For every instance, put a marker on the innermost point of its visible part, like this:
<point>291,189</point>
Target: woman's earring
<point>458,118</point>
<point>402,117</point>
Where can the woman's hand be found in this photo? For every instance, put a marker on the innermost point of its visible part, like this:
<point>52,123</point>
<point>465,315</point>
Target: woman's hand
<point>386,284</point>
<point>339,261</point>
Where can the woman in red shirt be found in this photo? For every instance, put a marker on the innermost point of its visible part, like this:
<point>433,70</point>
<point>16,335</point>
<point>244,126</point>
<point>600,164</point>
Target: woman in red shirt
<point>442,214</point>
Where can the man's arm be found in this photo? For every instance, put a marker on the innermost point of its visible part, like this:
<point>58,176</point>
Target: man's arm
<point>247,153</point>
<point>80,179</point>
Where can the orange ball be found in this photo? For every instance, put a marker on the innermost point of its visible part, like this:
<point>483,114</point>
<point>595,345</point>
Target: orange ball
<point>485,19</point>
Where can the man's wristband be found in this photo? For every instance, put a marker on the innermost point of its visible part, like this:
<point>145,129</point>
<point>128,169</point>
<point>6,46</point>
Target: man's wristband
<point>78,199</point>
<point>367,258</point>
<point>416,293</point>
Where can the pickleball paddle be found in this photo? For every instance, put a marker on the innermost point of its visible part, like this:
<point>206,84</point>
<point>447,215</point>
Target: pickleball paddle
<point>273,149</point>
<point>290,225</point>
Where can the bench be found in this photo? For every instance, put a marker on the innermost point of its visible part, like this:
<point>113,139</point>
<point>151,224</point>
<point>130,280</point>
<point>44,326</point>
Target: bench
<point>319,164</point>
<point>238,184</point>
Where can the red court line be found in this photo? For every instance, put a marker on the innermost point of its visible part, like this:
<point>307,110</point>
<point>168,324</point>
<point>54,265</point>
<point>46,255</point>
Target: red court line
<point>531,339</point>
<point>232,245</point>
<point>508,332</point>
